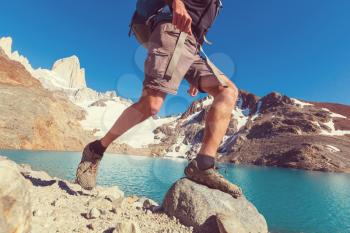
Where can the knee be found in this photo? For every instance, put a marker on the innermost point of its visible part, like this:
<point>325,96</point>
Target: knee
<point>229,94</point>
<point>151,106</point>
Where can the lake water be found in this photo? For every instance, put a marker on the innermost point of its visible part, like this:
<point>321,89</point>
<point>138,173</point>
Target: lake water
<point>291,200</point>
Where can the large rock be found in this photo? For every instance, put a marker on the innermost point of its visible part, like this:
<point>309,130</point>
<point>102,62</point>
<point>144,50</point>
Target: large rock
<point>127,227</point>
<point>203,208</point>
<point>15,209</point>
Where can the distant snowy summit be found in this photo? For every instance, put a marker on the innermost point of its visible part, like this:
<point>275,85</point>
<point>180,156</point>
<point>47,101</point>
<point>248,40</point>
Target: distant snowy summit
<point>65,72</point>
<point>65,75</point>
<point>6,45</point>
<point>69,70</point>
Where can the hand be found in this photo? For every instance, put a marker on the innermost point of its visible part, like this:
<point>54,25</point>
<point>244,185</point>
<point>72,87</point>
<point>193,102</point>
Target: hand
<point>181,19</point>
<point>192,91</point>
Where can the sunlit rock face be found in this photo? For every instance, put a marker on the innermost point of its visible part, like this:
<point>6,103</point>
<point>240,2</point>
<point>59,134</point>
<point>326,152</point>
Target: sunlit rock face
<point>70,72</point>
<point>15,206</point>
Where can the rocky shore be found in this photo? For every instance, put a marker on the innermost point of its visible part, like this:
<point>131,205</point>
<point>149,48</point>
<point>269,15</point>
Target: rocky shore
<point>34,202</point>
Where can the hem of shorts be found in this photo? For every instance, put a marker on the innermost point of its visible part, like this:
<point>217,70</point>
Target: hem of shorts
<point>221,84</point>
<point>163,89</point>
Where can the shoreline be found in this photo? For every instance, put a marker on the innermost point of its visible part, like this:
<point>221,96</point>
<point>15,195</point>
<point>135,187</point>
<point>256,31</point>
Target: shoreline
<point>41,203</point>
<point>179,159</point>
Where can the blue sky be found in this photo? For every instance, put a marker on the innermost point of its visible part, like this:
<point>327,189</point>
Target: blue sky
<point>297,47</point>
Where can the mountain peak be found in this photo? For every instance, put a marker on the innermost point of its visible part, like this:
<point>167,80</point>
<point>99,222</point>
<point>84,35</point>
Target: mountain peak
<point>69,69</point>
<point>6,45</point>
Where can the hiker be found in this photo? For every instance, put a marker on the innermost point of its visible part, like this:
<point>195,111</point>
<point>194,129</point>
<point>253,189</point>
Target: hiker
<point>176,32</point>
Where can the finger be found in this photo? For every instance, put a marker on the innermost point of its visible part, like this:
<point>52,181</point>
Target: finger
<point>188,26</point>
<point>193,91</point>
<point>181,23</point>
<point>175,19</point>
<point>189,91</point>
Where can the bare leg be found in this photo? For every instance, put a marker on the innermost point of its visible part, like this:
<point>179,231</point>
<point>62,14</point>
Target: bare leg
<point>201,169</point>
<point>219,114</point>
<point>148,105</point>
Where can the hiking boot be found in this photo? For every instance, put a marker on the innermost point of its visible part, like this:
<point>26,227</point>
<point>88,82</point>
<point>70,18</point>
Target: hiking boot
<point>211,179</point>
<point>87,169</point>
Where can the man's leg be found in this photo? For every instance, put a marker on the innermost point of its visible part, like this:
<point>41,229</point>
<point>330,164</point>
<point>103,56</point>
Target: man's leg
<point>219,115</point>
<point>148,105</point>
<point>202,169</point>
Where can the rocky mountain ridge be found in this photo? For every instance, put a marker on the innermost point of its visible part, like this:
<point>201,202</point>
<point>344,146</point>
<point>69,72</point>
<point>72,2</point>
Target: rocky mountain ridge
<point>28,118</point>
<point>274,130</point>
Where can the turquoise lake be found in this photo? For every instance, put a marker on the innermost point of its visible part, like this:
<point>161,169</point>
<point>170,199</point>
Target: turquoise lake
<point>291,200</point>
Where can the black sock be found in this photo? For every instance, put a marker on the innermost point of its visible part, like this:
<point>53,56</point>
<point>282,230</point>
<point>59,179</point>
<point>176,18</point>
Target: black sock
<point>97,147</point>
<point>205,162</point>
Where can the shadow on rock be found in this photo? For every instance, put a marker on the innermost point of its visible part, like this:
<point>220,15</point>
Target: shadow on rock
<point>109,230</point>
<point>63,185</point>
<point>39,182</point>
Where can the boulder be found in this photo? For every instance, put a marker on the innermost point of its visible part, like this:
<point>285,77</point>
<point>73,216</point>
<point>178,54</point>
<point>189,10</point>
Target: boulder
<point>15,208</point>
<point>209,210</point>
<point>126,227</point>
<point>149,204</point>
<point>93,213</point>
<point>110,192</point>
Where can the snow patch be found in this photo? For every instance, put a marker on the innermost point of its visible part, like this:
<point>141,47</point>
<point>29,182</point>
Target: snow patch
<point>227,140</point>
<point>257,114</point>
<point>207,102</point>
<point>192,116</point>
<point>333,131</point>
<point>181,150</point>
<point>332,148</point>
<point>101,119</point>
<point>333,114</point>
<point>239,102</point>
<point>241,115</point>
<point>300,103</point>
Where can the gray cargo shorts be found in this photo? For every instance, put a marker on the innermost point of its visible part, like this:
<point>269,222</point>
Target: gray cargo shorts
<point>191,65</point>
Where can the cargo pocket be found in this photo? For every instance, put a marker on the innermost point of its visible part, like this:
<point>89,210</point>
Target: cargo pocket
<point>156,64</point>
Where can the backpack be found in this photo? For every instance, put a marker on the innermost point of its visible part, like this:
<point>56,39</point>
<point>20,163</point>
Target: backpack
<point>146,13</point>
<point>150,12</point>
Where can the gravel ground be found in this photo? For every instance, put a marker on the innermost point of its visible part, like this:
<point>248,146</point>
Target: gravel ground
<point>61,206</point>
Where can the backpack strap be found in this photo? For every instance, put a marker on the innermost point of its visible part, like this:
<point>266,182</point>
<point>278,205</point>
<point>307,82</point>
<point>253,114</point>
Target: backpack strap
<point>206,40</point>
<point>175,58</point>
<point>213,68</point>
